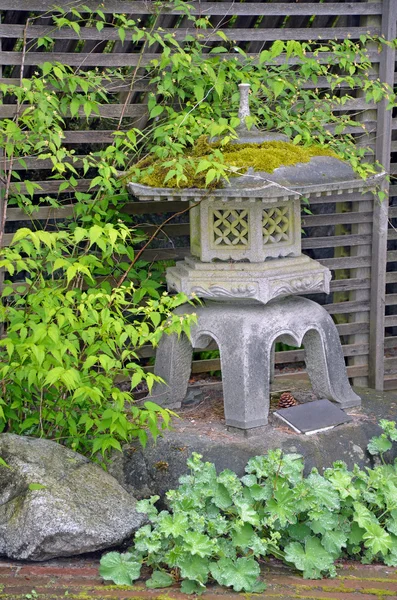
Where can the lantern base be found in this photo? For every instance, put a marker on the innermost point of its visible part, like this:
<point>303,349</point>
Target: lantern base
<point>258,282</point>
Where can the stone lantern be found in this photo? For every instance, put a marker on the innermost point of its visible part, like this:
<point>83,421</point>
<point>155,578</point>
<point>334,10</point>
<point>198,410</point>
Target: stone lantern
<point>245,239</point>
<point>246,262</point>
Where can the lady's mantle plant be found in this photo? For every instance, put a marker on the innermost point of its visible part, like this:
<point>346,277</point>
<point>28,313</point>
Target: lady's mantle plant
<point>219,528</point>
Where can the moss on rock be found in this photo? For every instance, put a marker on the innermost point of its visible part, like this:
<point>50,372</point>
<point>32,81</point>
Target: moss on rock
<point>266,157</point>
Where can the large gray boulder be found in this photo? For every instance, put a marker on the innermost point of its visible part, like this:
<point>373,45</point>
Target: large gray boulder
<point>81,508</point>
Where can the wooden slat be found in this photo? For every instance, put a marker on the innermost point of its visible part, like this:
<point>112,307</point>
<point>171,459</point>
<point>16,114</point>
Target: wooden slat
<point>118,59</point>
<point>391,341</point>
<point>347,307</point>
<point>352,328</point>
<point>358,197</point>
<point>390,384</point>
<point>204,366</point>
<point>204,35</point>
<point>294,356</point>
<point>391,256</point>
<point>341,285</point>
<point>391,299</point>
<point>391,366</point>
<point>391,277</point>
<point>114,111</point>
<point>349,262</point>
<point>336,219</point>
<point>106,111</point>
<point>392,209</point>
<point>335,241</point>
<point>391,321</point>
<point>208,8</point>
<point>144,86</point>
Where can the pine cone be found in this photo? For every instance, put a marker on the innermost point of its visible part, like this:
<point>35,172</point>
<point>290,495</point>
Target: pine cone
<point>286,400</point>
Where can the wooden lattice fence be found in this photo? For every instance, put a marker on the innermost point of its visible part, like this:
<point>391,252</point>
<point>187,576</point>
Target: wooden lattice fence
<point>349,234</point>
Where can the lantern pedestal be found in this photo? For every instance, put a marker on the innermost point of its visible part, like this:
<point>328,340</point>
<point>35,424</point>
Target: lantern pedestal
<point>255,281</point>
<point>245,339</point>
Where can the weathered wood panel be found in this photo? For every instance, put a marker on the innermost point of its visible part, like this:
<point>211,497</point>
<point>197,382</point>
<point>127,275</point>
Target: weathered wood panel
<point>257,23</point>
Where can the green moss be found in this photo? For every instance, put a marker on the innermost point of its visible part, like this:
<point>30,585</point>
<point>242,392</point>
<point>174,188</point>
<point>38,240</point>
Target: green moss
<point>377,592</point>
<point>266,157</point>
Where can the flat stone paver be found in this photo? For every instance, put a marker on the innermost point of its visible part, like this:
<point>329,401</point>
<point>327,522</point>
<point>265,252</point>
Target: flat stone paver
<point>78,579</point>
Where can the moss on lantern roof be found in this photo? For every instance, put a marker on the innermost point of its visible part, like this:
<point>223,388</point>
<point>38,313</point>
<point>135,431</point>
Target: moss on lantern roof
<point>265,157</point>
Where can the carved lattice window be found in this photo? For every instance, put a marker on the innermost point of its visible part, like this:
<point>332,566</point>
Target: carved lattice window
<point>276,224</point>
<point>230,227</point>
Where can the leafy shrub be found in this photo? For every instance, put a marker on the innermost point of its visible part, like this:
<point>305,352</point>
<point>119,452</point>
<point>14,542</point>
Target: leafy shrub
<point>73,329</point>
<point>220,527</point>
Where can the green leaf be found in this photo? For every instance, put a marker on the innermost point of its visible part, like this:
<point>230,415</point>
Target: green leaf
<point>4,464</point>
<point>156,111</point>
<point>159,579</point>
<point>173,525</point>
<point>192,587</point>
<point>242,535</point>
<point>122,569</point>
<point>198,543</point>
<point>379,445</point>
<point>323,491</point>
<point>241,574</point>
<point>283,504</point>
<point>36,486</point>
<point>311,558</point>
<point>377,539</point>
<point>211,174</point>
<point>334,541</point>
<point>222,498</point>
<point>194,567</point>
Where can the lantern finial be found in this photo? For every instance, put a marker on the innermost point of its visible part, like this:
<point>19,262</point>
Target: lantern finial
<point>244,110</point>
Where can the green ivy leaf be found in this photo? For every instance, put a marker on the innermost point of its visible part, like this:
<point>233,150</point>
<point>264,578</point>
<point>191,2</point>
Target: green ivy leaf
<point>122,569</point>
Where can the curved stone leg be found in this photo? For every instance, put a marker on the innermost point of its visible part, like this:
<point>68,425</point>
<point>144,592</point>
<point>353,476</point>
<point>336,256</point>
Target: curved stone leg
<point>326,366</point>
<point>272,362</point>
<point>309,323</point>
<point>245,335</point>
<point>173,364</point>
<point>246,375</point>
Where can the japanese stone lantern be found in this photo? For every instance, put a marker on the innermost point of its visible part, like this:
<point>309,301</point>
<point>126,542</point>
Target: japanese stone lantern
<point>245,242</point>
<point>245,239</point>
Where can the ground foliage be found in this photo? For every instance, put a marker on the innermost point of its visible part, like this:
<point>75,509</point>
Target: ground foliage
<point>220,528</point>
<point>72,331</point>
